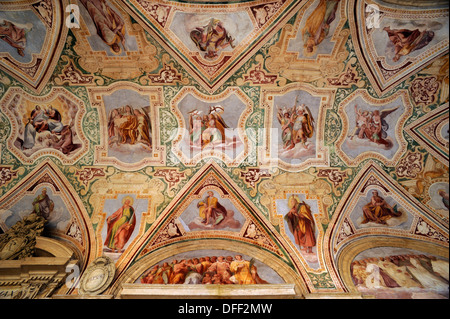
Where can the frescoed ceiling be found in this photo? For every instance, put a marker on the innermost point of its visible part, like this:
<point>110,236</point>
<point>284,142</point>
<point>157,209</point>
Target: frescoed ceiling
<point>255,142</point>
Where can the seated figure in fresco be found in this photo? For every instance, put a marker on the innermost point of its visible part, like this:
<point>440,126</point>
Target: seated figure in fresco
<point>378,210</point>
<point>41,120</point>
<point>14,34</point>
<point>372,126</point>
<point>317,25</point>
<point>209,130</point>
<point>405,41</point>
<point>211,38</point>
<point>110,25</point>
<point>211,210</point>
<point>212,133</point>
<point>129,126</point>
<point>46,119</point>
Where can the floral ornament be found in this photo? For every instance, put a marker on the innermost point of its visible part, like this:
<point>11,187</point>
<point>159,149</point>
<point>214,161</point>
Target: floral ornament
<point>410,166</point>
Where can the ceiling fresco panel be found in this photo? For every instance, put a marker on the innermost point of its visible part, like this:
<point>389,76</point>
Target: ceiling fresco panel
<point>183,28</point>
<point>129,117</point>
<point>387,60</point>
<point>398,215</point>
<point>47,190</point>
<point>36,120</point>
<point>33,35</point>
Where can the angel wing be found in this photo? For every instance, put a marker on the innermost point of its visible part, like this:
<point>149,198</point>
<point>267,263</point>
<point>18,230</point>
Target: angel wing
<point>310,121</point>
<point>308,111</point>
<point>219,120</point>
<point>218,109</point>
<point>384,113</point>
<point>146,111</point>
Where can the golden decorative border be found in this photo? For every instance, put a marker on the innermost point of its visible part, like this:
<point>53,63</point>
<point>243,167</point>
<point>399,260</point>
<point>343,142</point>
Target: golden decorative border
<point>127,66</point>
<point>236,59</point>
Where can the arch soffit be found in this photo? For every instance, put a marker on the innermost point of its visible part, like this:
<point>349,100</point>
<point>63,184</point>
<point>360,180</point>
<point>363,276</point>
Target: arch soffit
<point>351,250</point>
<point>285,271</point>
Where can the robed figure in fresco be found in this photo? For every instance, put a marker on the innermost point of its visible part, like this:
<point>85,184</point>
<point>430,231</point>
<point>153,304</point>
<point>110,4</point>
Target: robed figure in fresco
<point>303,127</point>
<point>209,130</point>
<point>317,25</point>
<point>378,210</point>
<point>405,41</point>
<point>372,126</point>
<point>43,119</point>
<point>211,211</point>
<point>128,125</point>
<point>245,272</point>
<point>120,225</point>
<point>42,205</point>
<point>14,34</point>
<point>110,25</point>
<point>211,38</point>
<point>301,223</point>
<point>297,125</point>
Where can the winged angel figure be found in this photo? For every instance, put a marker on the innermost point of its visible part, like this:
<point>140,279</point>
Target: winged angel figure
<point>297,126</point>
<point>372,126</point>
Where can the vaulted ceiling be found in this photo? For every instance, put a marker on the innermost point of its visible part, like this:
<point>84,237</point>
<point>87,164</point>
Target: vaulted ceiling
<point>310,137</point>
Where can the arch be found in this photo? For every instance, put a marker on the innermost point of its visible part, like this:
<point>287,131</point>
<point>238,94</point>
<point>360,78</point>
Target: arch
<point>54,248</point>
<point>351,250</point>
<point>281,268</point>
